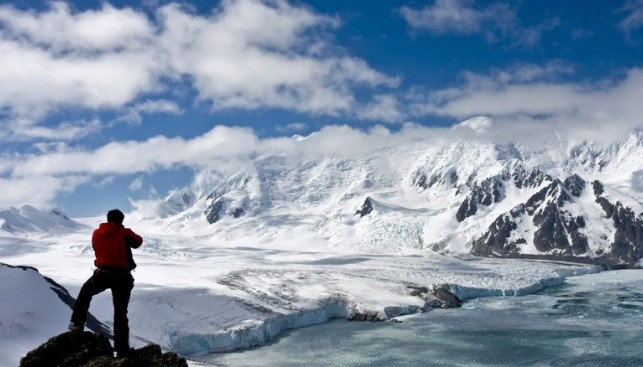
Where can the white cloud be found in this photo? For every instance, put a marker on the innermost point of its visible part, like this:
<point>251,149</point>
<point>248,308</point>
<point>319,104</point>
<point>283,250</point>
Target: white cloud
<point>517,109</point>
<point>252,54</point>
<point>528,104</point>
<point>133,115</point>
<point>137,184</point>
<point>34,82</point>
<point>496,21</point>
<point>247,54</point>
<point>634,18</point>
<point>447,16</point>
<point>384,108</point>
<point>60,29</point>
<point>38,190</point>
<point>26,130</point>
<point>38,178</point>
<point>96,59</point>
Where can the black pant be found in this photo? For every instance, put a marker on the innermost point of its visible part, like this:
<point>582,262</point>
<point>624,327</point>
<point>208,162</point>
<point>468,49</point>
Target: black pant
<point>121,286</point>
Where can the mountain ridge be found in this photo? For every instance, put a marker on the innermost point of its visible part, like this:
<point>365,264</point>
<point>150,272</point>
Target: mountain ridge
<point>440,195</point>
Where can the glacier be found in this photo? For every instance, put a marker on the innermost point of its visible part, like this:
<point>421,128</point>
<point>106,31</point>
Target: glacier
<point>289,241</point>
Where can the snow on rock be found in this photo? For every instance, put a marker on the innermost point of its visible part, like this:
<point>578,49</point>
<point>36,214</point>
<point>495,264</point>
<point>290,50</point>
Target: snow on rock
<point>445,195</point>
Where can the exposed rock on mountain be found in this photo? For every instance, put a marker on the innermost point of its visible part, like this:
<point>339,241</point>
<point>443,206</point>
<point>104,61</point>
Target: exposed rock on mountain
<point>492,189</point>
<point>366,208</point>
<point>214,212</point>
<point>85,349</point>
<point>627,247</point>
<point>557,233</point>
<point>447,196</point>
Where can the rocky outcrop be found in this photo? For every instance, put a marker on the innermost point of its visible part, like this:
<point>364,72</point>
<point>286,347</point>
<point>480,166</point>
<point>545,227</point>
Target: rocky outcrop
<point>558,234</point>
<point>492,189</point>
<point>448,178</point>
<point>558,230</point>
<point>627,246</point>
<point>214,211</point>
<point>440,296</point>
<point>86,349</point>
<point>497,242</point>
<point>486,193</point>
<point>366,208</point>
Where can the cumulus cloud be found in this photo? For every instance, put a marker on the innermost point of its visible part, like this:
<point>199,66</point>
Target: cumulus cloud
<point>58,58</point>
<point>384,108</point>
<point>246,54</point>
<point>252,54</point>
<point>527,101</point>
<point>518,114</point>
<point>38,190</point>
<point>495,21</point>
<point>37,178</point>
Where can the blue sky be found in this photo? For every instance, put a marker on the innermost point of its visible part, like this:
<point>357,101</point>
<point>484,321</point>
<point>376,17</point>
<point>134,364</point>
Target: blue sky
<point>107,103</point>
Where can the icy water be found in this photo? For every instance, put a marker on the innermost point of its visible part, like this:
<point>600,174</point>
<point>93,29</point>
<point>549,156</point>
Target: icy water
<point>594,320</point>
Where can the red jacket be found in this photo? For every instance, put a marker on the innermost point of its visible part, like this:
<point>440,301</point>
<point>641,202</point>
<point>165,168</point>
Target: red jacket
<point>112,245</point>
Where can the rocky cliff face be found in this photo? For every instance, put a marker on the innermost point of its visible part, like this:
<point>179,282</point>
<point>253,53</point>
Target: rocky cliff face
<point>627,246</point>
<point>556,232</point>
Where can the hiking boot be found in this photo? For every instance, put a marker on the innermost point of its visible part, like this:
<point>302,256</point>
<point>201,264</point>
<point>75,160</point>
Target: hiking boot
<point>75,327</point>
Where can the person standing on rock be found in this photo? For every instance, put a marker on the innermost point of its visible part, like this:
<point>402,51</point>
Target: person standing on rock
<point>112,244</point>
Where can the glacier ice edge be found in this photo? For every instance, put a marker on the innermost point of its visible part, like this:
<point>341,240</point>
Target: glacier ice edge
<point>251,333</point>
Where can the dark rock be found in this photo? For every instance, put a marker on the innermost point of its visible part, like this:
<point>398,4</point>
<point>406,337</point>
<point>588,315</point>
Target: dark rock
<point>496,241</point>
<point>367,207</point>
<point>608,207</point>
<point>85,349</point>
<point>561,235</point>
<point>432,302</point>
<point>627,246</point>
<point>492,189</point>
<point>485,193</point>
<point>575,184</point>
<point>365,316</point>
<point>214,211</point>
<point>417,291</point>
<point>448,299</point>
<point>71,349</point>
<point>237,212</point>
<point>558,232</point>
<point>525,178</point>
<point>449,177</point>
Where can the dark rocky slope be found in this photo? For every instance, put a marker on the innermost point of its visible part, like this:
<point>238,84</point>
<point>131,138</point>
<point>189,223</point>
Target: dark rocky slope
<point>86,349</point>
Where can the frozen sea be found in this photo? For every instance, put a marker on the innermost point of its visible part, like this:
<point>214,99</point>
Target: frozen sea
<point>591,320</point>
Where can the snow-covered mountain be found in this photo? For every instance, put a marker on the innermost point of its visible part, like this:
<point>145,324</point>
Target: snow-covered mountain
<point>33,307</point>
<point>30,219</point>
<point>564,199</point>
